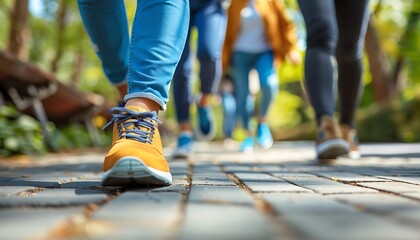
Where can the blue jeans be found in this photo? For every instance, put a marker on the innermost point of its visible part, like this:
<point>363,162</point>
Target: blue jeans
<point>210,20</point>
<point>157,40</point>
<point>242,63</point>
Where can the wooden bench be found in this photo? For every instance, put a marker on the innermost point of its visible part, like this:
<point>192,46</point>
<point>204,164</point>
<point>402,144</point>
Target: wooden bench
<point>38,93</point>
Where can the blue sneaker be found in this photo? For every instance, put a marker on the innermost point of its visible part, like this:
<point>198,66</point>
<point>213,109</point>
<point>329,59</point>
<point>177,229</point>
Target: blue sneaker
<point>206,128</point>
<point>247,145</point>
<point>264,137</point>
<point>185,146</point>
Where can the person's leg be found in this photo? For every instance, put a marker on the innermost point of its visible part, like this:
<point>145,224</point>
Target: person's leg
<point>241,66</point>
<point>102,19</point>
<point>352,22</point>
<point>226,91</point>
<point>322,35</point>
<point>211,25</point>
<point>136,157</point>
<point>181,85</point>
<point>321,40</point>
<point>155,51</point>
<point>269,88</point>
<point>229,113</point>
<point>352,18</point>
<point>269,83</point>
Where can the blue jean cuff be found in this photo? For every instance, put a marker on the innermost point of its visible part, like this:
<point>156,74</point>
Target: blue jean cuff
<point>150,96</point>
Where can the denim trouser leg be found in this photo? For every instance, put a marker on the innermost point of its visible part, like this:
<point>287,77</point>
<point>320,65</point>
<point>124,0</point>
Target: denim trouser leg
<point>106,24</point>
<point>181,84</point>
<point>268,81</point>
<point>157,40</point>
<point>210,20</point>
<point>242,63</point>
<point>211,26</point>
<point>229,113</point>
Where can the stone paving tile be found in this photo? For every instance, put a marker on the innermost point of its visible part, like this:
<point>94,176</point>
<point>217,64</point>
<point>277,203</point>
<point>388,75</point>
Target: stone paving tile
<point>394,207</point>
<point>348,177</point>
<point>236,168</point>
<point>210,221</point>
<point>138,213</point>
<point>32,223</point>
<point>178,167</point>
<point>396,187</point>
<point>7,191</point>
<point>256,177</point>
<point>82,184</point>
<point>278,186</point>
<point>34,182</point>
<point>291,174</point>
<point>412,195</point>
<point>317,217</point>
<point>211,179</point>
<point>56,198</point>
<point>408,179</point>
<point>220,195</point>
<point>325,186</point>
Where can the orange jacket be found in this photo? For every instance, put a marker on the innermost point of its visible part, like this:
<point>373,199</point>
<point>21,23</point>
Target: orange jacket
<point>279,29</point>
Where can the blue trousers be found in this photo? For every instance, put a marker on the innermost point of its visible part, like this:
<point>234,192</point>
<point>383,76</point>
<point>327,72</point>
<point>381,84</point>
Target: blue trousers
<point>210,19</point>
<point>148,61</point>
<point>242,63</point>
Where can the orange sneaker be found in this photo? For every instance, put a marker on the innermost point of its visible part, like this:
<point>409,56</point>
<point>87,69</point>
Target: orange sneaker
<point>350,135</point>
<point>329,143</point>
<point>136,156</point>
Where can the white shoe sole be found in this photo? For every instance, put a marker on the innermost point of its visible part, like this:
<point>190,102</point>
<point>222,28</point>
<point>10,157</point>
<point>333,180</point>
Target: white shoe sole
<point>332,149</point>
<point>354,155</point>
<point>266,144</point>
<point>130,171</point>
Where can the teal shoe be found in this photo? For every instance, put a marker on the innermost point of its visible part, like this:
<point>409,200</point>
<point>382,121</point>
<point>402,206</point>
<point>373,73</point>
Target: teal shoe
<point>264,137</point>
<point>185,146</point>
<point>206,124</point>
<point>247,145</point>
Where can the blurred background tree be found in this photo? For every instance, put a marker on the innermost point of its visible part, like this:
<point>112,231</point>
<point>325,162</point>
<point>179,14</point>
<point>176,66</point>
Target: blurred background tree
<point>50,34</point>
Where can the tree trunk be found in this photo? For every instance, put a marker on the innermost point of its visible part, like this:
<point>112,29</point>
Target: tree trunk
<point>61,19</point>
<point>19,32</point>
<point>77,67</point>
<point>379,66</point>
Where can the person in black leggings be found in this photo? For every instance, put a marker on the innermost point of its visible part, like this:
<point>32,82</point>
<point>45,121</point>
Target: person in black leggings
<point>335,28</point>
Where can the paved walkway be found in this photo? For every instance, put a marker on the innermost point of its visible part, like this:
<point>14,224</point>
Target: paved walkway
<point>272,194</point>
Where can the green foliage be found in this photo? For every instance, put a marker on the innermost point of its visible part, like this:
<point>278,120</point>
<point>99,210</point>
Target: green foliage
<point>380,123</point>
<point>19,134</point>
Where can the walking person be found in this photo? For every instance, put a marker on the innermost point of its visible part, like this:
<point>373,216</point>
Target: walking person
<point>209,18</point>
<point>335,29</point>
<point>259,36</point>
<point>146,64</point>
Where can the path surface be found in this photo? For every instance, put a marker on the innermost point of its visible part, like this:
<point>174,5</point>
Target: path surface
<point>281,193</point>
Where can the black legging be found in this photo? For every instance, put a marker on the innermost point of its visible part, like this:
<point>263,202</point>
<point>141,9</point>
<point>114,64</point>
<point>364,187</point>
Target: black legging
<point>334,28</point>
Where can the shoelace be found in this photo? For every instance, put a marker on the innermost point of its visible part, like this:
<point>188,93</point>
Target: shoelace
<point>143,126</point>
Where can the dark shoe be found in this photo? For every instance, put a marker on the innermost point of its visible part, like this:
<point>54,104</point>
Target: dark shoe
<point>329,142</point>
